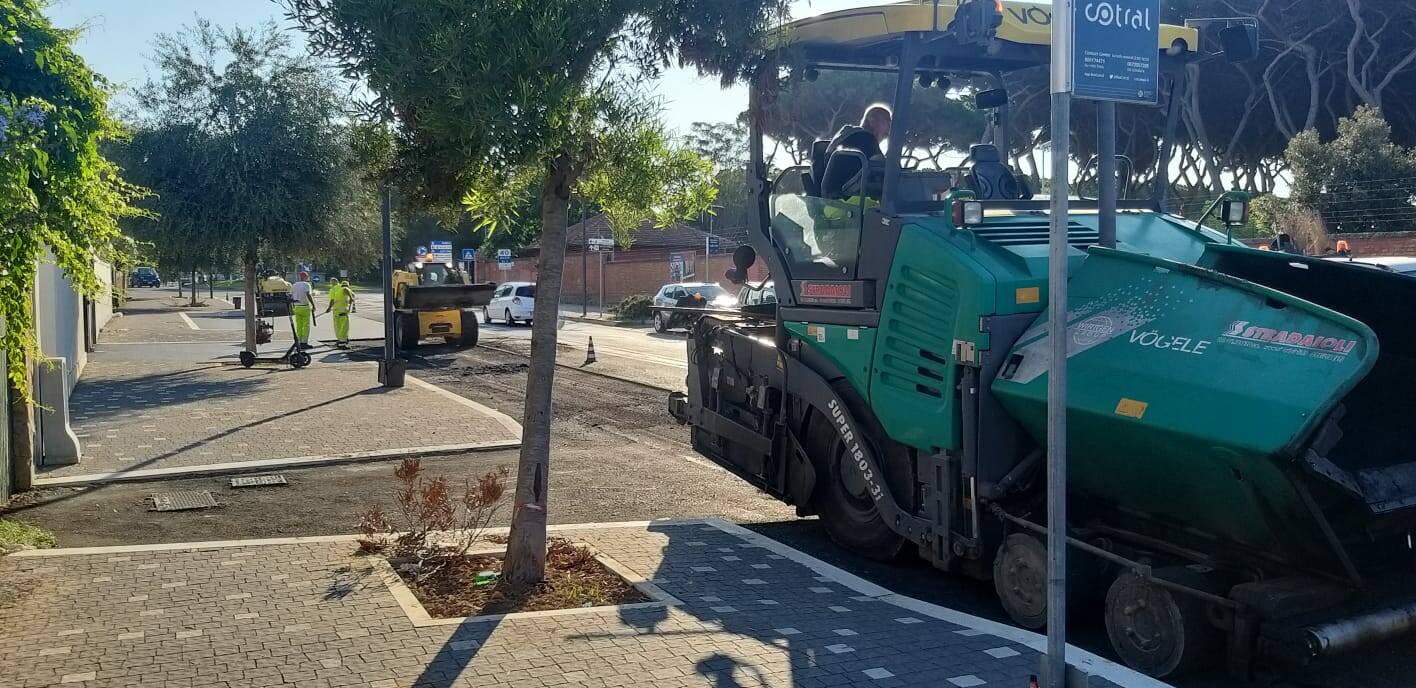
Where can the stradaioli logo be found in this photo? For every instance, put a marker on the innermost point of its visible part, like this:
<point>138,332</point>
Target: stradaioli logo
<point>1113,14</point>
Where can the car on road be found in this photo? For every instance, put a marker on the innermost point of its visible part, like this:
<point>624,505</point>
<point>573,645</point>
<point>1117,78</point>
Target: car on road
<point>512,301</point>
<point>687,295</point>
<point>1400,265</point>
<point>764,296</point>
<point>144,276</point>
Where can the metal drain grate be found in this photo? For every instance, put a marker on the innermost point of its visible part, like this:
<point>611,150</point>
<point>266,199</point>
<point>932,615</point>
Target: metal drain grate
<point>258,481</point>
<point>182,501</point>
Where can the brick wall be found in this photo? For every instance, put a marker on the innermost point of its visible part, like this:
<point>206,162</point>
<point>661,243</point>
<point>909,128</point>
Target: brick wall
<point>626,273</point>
<point>1369,244</point>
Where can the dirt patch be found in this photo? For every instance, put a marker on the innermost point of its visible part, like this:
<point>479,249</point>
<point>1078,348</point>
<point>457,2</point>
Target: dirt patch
<point>490,369</point>
<point>462,586</point>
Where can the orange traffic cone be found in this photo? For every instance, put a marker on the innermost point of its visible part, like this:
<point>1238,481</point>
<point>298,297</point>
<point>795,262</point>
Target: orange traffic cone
<point>589,353</point>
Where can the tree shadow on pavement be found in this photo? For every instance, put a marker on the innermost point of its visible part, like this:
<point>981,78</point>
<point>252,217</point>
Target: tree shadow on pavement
<point>98,399</point>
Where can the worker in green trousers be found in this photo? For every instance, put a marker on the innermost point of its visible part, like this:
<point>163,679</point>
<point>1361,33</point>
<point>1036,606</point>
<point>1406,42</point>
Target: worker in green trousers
<point>341,301</point>
<point>302,296</point>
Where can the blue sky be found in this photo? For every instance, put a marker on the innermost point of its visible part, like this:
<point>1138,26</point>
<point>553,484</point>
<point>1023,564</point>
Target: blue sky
<point>117,41</point>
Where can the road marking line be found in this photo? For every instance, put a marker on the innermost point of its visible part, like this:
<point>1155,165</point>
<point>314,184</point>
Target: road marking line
<point>188,320</point>
<point>501,418</point>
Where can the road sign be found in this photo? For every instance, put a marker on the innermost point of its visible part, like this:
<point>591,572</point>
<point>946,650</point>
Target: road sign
<point>504,264</point>
<point>599,244</point>
<point>503,253</point>
<point>1115,50</point>
<point>441,251</point>
<point>469,254</point>
<point>344,274</point>
<point>421,251</point>
<point>715,245</point>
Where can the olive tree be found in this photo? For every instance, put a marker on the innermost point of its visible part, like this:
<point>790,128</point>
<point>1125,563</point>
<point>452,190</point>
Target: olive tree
<point>493,99</point>
<point>243,142</point>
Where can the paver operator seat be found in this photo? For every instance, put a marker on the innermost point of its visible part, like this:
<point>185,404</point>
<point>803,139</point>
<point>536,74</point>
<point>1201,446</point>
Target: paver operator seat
<point>991,179</point>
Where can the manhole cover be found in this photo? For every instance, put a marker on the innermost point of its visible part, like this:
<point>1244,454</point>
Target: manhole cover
<point>181,501</point>
<point>258,481</point>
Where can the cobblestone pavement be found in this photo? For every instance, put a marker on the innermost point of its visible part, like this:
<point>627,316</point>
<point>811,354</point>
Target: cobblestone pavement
<point>166,405</point>
<point>152,415</point>
<point>750,613</point>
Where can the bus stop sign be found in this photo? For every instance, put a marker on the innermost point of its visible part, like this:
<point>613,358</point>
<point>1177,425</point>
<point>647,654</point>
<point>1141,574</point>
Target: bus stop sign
<point>1115,50</point>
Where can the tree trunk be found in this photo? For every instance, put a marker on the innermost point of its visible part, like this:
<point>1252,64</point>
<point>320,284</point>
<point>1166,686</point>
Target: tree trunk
<point>22,421</point>
<point>193,303</point>
<point>250,300</point>
<point>526,546</point>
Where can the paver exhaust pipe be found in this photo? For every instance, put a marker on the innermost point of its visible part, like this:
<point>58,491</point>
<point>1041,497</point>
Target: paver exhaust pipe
<point>1341,636</point>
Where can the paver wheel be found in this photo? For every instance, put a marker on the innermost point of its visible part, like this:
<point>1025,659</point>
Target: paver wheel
<point>1020,579</point>
<point>1157,630</point>
<point>843,499</point>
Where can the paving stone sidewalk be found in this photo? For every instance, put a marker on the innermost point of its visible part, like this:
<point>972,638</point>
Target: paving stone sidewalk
<point>145,415</point>
<point>750,613</point>
<point>158,402</point>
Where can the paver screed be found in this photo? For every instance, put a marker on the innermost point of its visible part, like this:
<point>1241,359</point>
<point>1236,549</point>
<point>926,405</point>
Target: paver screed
<point>313,614</point>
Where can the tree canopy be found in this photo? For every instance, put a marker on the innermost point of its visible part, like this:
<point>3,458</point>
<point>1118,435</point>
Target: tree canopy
<point>1360,181</point>
<point>242,140</point>
<point>498,100</point>
<point>56,187</point>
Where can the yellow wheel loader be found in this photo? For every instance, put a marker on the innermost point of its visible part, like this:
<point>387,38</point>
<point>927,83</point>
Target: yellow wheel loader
<point>433,300</point>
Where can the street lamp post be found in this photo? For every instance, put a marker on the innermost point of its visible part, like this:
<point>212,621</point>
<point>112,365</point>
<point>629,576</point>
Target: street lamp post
<point>390,368</point>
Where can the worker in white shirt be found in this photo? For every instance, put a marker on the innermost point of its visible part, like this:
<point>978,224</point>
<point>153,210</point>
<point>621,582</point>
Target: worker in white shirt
<point>302,296</point>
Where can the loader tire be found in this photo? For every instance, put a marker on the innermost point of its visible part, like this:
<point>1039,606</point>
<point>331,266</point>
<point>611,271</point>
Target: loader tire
<point>469,329</point>
<point>406,330</point>
<point>841,499</point>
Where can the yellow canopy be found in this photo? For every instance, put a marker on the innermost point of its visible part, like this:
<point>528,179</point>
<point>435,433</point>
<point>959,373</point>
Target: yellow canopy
<point>1026,23</point>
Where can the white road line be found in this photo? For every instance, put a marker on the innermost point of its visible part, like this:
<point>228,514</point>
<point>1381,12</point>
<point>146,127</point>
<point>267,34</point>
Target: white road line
<point>188,320</point>
<point>501,418</point>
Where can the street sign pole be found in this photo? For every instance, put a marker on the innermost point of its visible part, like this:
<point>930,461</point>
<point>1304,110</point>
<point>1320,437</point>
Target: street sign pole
<point>1062,56</point>
<point>1106,172</point>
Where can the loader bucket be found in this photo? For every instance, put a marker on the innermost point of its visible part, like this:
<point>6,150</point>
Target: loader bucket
<point>1192,395</point>
<point>447,296</point>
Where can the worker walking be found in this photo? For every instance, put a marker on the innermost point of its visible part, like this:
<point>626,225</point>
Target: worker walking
<point>341,301</point>
<point>302,296</point>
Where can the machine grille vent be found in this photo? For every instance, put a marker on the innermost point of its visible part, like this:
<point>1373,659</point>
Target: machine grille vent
<point>1034,234</point>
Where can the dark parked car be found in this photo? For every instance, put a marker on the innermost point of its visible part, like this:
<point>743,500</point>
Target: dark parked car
<point>144,277</point>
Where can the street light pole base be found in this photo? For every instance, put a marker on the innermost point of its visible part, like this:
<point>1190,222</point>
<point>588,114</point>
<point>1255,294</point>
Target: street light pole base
<point>391,373</point>
<point>1076,678</point>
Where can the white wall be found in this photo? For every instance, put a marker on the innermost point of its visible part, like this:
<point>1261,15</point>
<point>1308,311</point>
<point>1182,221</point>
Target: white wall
<point>59,316</point>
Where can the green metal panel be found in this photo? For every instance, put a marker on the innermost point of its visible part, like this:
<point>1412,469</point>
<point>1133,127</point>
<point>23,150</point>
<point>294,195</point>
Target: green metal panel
<point>1190,391</point>
<point>850,348</point>
<point>934,296</point>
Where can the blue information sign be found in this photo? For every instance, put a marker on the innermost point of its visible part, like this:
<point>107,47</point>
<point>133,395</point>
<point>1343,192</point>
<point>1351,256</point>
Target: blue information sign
<point>441,251</point>
<point>469,254</point>
<point>715,246</point>
<point>1116,50</point>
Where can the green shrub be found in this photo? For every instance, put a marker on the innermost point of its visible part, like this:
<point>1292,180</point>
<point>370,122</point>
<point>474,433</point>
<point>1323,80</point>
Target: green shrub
<point>633,308</point>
